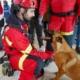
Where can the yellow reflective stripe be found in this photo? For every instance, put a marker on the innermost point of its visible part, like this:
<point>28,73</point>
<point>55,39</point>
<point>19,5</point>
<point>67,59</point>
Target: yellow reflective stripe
<point>67,33</point>
<point>21,60</point>
<point>8,41</point>
<point>27,50</point>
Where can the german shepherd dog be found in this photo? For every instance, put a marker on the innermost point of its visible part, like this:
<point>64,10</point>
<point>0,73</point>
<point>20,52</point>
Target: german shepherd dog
<point>65,58</point>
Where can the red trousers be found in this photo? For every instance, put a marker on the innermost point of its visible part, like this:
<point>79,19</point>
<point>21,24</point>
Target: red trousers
<point>28,68</point>
<point>62,24</point>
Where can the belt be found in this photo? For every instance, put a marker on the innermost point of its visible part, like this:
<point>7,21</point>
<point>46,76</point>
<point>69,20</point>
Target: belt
<point>63,14</point>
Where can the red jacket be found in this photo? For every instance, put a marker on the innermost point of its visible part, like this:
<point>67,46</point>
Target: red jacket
<point>20,43</point>
<point>16,44</point>
<point>58,6</point>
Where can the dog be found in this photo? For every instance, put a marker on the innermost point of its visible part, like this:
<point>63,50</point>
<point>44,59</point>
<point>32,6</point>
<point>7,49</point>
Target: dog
<point>65,58</point>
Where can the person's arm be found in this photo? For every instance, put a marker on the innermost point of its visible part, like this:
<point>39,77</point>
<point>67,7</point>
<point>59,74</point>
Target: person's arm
<point>43,55</point>
<point>17,40</point>
<point>43,7</point>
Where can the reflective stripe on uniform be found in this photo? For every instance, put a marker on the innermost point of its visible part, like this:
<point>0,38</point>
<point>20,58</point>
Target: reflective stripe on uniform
<point>27,50</point>
<point>8,41</point>
<point>67,33</point>
<point>21,60</point>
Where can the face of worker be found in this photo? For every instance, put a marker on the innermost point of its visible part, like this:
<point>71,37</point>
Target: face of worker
<point>29,13</point>
<point>21,13</point>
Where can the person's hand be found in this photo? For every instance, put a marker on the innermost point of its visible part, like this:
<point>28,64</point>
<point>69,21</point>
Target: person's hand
<point>40,20</point>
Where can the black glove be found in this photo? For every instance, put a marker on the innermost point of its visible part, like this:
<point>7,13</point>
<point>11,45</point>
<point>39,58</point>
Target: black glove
<point>47,62</point>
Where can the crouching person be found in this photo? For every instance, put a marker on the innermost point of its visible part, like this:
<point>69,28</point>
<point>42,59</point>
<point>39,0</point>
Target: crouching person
<point>21,54</point>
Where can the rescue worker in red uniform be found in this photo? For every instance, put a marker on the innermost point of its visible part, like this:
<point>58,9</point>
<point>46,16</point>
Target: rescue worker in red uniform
<point>21,54</point>
<point>63,16</point>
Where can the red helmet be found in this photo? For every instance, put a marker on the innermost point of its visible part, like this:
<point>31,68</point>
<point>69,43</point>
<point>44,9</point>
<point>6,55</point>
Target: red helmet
<point>29,3</point>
